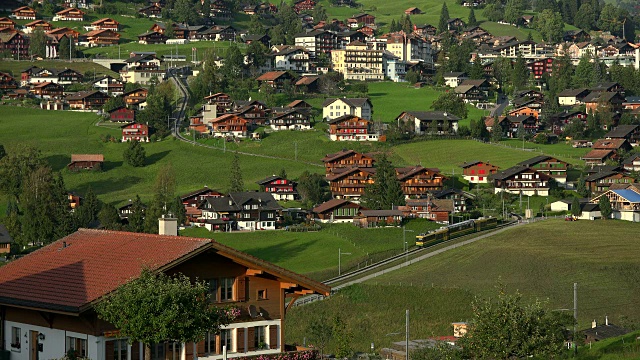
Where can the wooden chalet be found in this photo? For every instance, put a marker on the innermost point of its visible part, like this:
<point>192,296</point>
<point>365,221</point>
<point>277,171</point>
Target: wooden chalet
<point>539,67</point>
<point>23,13</point>
<point>603,101</point>
<point>362,19</point>
<point>195,198</point>
<point>241,211</point>
<point>37,25</point>
<point>421,122</point>
<point>254,111</point>
<point>109,85</point>
<point>87,100</point>
<point>378,218</point>
<point>478,172</point>
<point>122,114</point>
<point>346,159</point>
<point>510,124</point>
<point>223,101</point>
<point>548,165</point>
<point>601,181</point>
<point>86,162</point>
<point>135,98</point>
<point>47,90</point>
<point>5,240</point>
<point>413,11</point>
<point>151,11</point>
<point>418,180</point>
<point>521,180</point>
<point>6,23</point>
<point>280,188</point>
<point>106,24</point>
<point>69,14</point>
<point>349,183</point>
<point>352,128</point>
<point>629,132</point>
<point>308,84</point>
<point>598,157</point>
<point>64,31</point>
<point>15,43</point>
<point>293,119</point>
<point>525,111</point>
<point>152,37</point>
<point>259,291</point>
<point>102,37</point>
<point>275,79</point>
<point>632,163</point>
<point>303,5</point>
<point>229,125</point>
<point>220,10</point>
<point>469,93</point>
<point>625,203</point>
<point>135,132</point>
<point>337,211</point>
<point>7,82</point>
<point>428,208</point>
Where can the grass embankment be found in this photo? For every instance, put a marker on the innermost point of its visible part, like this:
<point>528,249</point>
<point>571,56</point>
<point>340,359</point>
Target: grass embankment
<point>315,254</point>
<point>540,260</point>
<point>15,67</point>
<point>123,51</point>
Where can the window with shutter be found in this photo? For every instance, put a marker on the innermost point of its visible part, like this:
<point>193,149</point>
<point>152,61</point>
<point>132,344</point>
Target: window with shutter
<point>240,341</point>
<point>241,291</point>
<point>251,339</point>
<point>273,337</point>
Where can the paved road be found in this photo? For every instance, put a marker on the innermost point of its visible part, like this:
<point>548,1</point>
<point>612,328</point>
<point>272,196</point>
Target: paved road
<point>179,114</point>
<point>503,101</point>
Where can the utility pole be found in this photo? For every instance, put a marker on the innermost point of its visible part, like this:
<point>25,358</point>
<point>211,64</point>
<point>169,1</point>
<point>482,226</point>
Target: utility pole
<point>575,316</point>
<point>295,143</point>
<point>407,336</point>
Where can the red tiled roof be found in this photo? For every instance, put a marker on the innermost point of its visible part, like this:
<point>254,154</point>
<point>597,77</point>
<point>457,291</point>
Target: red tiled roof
<point>74,272</point>
<point>87,157</point>
<point>271,75</point>
<point>597,154</point>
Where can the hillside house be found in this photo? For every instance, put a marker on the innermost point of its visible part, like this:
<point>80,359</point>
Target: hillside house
<point>47,90</point>
<point>469,93</point>
<point>109,85</point>
<point>7,82</point>
<point>376,218</point>
<point>413,11</point>
<point>303,5</point>
<point>65,319</point>
<point>428,208</point>
<point>454,79</point>
<point>6,23</point>
<point>418,180</point>
<point>349,183</point>
<point>478,172</point>
<point>337,211</point>
<point>86,162</point>
<point>629,132</point>
<point>15,43</point>
<point>92,100</point>
<point>106,24</point>
<point>240,211</point>
<point>37,25</point>
<point>142,69</point>
<point>625,204</point>
<point>352,128</point>
<point>280,188</point>
<point>603,101</point>
<point>152,37</point>
<point>317,41</point>
<point>135,132</point>
<point>276,79</point>
<point>23,13</point>
<point>290,58</point>
<point>601,181</point>
<point>521,180</point>
<point>293,119</point>
<point>229,125</point>
<point>136,99</point>
<point>102,38</point>
<point>510,125</point>
<point>346,159</point>
<point>548,165</point>
<point>462,200</point>
<point>5,240</point>
<point>58,33</point>
<point>122,115</point>
<point>334,108</point>
<point>632,163</point>
<point>69,14</point>
<point>308,84</point>
<point>151,11</point>
<point>434,122</point>
<point>598,157</point>
<point>539,67</point>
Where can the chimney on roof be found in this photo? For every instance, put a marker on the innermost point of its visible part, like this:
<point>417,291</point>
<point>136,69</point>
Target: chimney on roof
<point>168,226</point>
<point>594,324</point>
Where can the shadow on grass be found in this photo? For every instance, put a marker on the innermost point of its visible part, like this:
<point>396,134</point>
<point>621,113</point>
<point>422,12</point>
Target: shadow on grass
<point>152,159</point>
<point>280,252</point>
<point>110,165</point>
<point>378,94</point>
<point>58,162</point>
<point>106,186</point>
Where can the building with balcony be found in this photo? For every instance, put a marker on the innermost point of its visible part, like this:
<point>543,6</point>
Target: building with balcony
<point>317,41</point>
<point>345,159</point>
<point>352,128</point>
<point>357,62</point>
<point>418,180</point>
<point>135,132</point>
<point>334,108</point>
<point>548,165</point>
<point>87,100</point>
<point>521,180</point>
<point>280,188</point>
<point>349,183</point>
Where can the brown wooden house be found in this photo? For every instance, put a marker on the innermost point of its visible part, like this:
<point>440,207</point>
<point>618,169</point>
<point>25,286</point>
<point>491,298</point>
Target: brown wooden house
<point>7,82</point>
<point>122,114</point>
<point>418,180</point>
<point>337,210</point>
<point>135,97</point>
<point>24,13</point>
<point>6,23</point>
<point>601,181</point>
<point>275,79</point>
<point>151,11</point>
<point>229,125</point>
<point>38,25</point>
<point>86,162</point>
<point>376,218</point>
<point>87,100</point>
<point>47,90</point>
<point>69,14</point>
<point>135,132</point>
<point>15,43</point>
<point>349,183</point>
<point>106,24</point>
<point>548,165</point>
<point>152,37</point>
<point>477,172</point>
<point>352,128</point>
<point>102,37</point>
<point>345,159</point>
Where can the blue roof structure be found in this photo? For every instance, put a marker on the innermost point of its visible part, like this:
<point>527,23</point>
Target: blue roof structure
<point>630,195</point>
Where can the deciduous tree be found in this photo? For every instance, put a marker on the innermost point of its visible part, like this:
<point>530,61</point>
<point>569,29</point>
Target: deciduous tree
<point>38,43</point>
<point>450,103</point>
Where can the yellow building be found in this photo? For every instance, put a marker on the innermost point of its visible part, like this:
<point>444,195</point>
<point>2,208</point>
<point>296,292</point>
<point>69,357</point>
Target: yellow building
<point>357,62</point>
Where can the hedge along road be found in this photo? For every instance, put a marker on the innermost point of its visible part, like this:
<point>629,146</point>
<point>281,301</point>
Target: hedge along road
<point>180,113</point>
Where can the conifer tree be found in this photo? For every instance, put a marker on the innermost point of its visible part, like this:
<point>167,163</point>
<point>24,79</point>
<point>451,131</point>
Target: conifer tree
<point>444,19</point>
<point>235,176</point>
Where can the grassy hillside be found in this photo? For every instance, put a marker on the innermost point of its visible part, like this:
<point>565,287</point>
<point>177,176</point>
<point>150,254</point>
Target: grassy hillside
<point>15,67</point>
<point>125,49</point>
<point>293,250</point>
<point>540,260</point>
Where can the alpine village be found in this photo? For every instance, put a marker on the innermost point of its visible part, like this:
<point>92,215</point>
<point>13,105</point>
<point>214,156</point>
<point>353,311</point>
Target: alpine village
<point>319,179</point>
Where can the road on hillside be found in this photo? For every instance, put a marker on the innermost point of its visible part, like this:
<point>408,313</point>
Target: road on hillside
<point>503,101</point>
<point>180,113</point>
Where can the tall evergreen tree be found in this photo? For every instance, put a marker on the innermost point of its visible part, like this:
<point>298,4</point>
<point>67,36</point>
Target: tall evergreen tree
<point>67,48</point>
<point>520,73</point>
<point>386,190</point>
<point>605,207</point>
<point>109,217</point>
<point>38,43</point>
<point>235,176</point>
<point>136,217</point>
<point>444,19</point>
<point>583,72</point>
<point>471,21</point>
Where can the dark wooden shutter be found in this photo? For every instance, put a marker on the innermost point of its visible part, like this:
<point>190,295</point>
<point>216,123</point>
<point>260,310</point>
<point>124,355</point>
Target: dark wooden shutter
<point>108,349</point>
<point>200,348</point>
<point>241,284</point>
<point>273,337</point>
<point>189,348</point>
<point>240,341</point>
<point>135,351</point>
<point>251,335</point>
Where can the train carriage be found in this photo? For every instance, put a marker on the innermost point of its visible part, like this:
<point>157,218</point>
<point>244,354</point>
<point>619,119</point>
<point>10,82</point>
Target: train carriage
<point>456,230</point>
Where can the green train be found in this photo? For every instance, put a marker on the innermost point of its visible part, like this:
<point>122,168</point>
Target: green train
<point>456,230</point>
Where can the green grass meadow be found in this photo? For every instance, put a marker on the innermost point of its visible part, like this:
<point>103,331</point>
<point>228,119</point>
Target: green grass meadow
<point>540,260</point>
<point>15,67</point>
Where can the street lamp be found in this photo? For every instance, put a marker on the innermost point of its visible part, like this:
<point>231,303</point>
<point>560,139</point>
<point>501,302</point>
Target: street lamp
<point>340,253</point>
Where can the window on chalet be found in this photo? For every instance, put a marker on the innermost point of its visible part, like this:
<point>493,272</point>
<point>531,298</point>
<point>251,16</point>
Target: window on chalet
<point>262,294</point>
<point>260,336</point>
<point>79,345</point>
<point>120,349</point>
<point>221,289</point>
<point>15,338</point>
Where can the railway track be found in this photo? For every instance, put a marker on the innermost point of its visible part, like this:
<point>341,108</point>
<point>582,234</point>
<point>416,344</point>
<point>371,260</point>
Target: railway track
<point>399,261</point>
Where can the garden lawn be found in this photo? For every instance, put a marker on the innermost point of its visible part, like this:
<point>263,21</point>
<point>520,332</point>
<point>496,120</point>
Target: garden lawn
<point>315,254</point>
<point>448,155</point>
<point>560,149</point>
<point>84,67</point>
